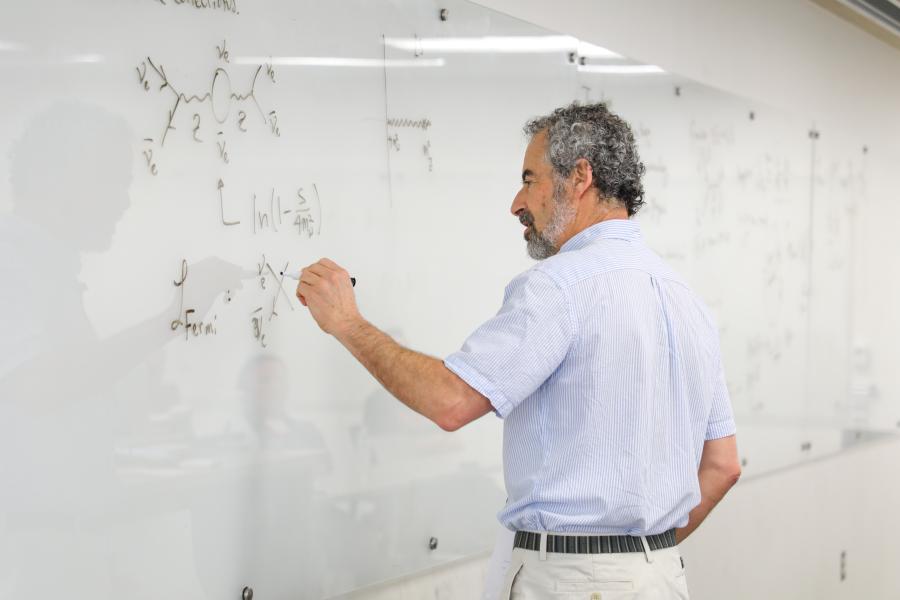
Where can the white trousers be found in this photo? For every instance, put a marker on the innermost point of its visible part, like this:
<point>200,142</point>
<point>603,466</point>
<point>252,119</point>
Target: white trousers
<point>654,575</point>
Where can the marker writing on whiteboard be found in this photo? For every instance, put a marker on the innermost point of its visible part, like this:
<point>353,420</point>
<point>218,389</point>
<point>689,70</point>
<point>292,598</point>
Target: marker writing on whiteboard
<point>296,276</point>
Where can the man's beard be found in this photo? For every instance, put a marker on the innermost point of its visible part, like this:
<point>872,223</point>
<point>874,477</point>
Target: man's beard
<point>544,244</point>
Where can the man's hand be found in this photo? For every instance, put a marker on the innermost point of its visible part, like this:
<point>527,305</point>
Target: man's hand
<point>326,290</point>
<point>719,470</point>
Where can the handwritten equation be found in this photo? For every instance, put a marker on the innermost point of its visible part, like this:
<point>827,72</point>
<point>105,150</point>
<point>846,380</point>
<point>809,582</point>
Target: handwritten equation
<point>221,5</point>
<point>216,104</point>
<point>394,125</point>
<point>183,321</point>
<point>263,301</point>
<point>271,285</point>
<point>300,212</point>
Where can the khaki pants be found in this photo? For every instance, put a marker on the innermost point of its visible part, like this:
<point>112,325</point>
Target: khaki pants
<point>655,575</point>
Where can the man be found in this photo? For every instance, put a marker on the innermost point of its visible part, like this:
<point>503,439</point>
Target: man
<point>619,434</point>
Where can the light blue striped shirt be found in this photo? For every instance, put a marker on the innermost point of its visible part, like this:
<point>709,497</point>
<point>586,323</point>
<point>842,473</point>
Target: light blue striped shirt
<point>607,372</point>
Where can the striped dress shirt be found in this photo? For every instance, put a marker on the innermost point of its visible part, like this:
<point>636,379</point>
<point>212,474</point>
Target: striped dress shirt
<point>606,369</point>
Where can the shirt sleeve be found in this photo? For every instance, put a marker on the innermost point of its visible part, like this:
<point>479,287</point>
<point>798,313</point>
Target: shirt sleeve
<point>721,418</point>
<point>512,354</point>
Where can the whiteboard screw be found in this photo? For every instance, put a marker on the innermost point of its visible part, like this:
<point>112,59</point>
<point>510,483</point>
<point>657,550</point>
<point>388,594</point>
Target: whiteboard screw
<point>445,14</point>
<point>247,594</point>
<point>433,543</point>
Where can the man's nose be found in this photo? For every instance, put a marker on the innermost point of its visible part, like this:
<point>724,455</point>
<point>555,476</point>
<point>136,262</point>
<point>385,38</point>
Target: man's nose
<point>518,205</point>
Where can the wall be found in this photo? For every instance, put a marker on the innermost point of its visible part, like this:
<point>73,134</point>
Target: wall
<point>780,535</point>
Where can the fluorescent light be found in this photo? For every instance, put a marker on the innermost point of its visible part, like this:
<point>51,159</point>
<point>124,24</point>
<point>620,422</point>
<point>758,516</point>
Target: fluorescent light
<point>621,69</point>
<point>592,51</point>
<point>333,61</point>
<point>84,58</point>
<point>525,44</point>
<point>10,47</point>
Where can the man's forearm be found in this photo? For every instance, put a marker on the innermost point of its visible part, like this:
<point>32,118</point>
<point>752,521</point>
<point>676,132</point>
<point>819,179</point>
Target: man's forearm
<point>714,484</point>
<point>421,382</point>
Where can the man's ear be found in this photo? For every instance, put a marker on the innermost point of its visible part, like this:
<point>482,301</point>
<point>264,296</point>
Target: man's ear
<point>582,177</point>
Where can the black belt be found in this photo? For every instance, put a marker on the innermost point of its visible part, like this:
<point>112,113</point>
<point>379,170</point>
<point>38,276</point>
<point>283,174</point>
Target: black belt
<point>593,544</point>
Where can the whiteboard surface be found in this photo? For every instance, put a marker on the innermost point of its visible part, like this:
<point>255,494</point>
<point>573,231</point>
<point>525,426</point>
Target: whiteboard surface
<point>172,421</point>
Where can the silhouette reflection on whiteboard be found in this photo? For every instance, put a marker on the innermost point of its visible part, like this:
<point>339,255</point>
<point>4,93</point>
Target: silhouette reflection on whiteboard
<point>62,418</point>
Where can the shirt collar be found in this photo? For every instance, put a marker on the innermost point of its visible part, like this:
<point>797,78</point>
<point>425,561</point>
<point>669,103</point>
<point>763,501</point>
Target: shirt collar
<point>613,229</point>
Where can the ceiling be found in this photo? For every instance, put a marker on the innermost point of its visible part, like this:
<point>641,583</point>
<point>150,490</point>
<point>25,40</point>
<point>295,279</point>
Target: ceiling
<point>880,18</point>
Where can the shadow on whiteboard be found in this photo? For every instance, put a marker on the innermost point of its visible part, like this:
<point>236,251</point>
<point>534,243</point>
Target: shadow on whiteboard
<point>60,416</point>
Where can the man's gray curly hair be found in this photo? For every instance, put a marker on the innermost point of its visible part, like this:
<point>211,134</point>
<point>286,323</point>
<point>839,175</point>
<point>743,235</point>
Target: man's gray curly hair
<point>602,138</point>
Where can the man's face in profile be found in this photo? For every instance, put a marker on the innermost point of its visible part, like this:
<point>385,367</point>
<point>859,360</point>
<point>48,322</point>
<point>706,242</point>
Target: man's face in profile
<point>541,204</point>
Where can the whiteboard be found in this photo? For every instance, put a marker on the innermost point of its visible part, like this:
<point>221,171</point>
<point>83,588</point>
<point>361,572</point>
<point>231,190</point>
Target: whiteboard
<point>172,421</point>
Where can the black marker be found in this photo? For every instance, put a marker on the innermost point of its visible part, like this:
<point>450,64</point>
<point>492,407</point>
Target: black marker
<point>296,276</point>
